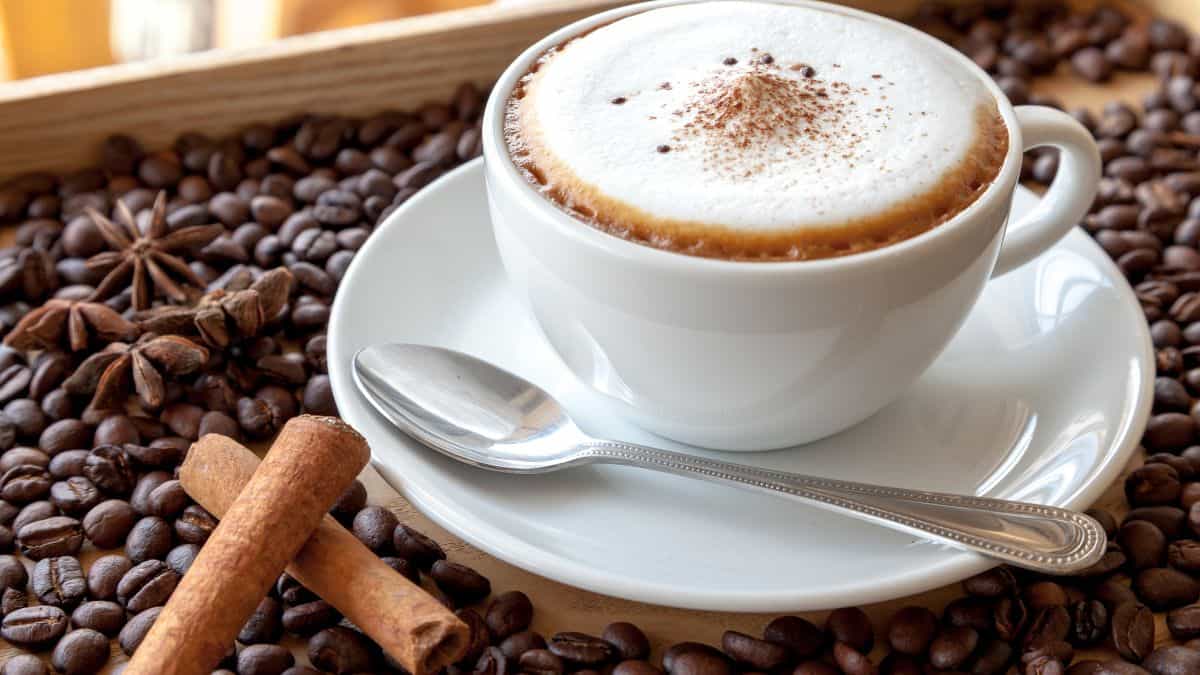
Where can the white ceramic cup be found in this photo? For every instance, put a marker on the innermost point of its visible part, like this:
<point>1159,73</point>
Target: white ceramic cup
<point>752,355</point>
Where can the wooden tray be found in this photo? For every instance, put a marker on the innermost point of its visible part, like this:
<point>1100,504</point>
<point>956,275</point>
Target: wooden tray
<point>57,123</point>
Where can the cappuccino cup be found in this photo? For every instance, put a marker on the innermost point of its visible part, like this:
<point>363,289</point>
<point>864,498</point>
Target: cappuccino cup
<point>750,225</point>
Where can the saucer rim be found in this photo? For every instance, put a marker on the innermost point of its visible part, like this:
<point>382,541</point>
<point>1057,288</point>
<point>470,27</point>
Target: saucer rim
<point>957,565</point>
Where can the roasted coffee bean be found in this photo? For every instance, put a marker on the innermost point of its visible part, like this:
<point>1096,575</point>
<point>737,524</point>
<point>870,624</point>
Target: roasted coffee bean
<point>1173,660</point>
<point>21,456</point>
<point>581,648</point>
<point>216,422</point>
<point>81,652</point>
<point>993,583</point>
<point>1189,495</point>
<point>699,662</point>
<point>352,500</point>
<point>34,512</point>
<point>34,627</point>
<point>1184,622</point>
<point>105,574</point>
<point>952,647</point>
<point>1153,484</point>
<point>183,419</point>
<point>23,664</point>
<point>194,525</point>
<point>115,430</point>
<point>65,434</point>
<point>135,630</point>
<point>374,526</point>
<point>75,496</point>
<point>181,557</point>
<point>680,648</point>
<point>25,483</point>
<point>752,652</point>
<point>145,585</point>
<point>416,547</point>
<point>1133,631</point>
<point>1089,622</point>
<point>852,626</point>
<point>799,635</point>
<point>310,617</point>
<point>852,661</point>
<point>26,417</point>
<point>509,613</point>
<point>1170,520</point>
<point>1043,594</point>
<point>103,616</point>
<point>109,468</point>
<point>167,451</point>
<point>1163,588</point>
<point>462,584</point>
<point>55,536</point>
<point>629,640</point>
<point>149,538</point>
<point>108,523</point>
<point>168,499</point>
<point>977,613</point>
<point>519,643</point>
<point>318,396</point>
<point>264,659</point>
<point>911,630</point>
<point>1184,555</point>
<point>59,582</point>
<point>340,650</point>
<point>1143,543</point>
<point>541,662</point>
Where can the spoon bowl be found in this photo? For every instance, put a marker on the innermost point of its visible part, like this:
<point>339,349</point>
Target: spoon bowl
<point>467,408</point>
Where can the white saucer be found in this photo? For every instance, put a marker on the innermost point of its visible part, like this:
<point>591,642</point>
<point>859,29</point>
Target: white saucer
<point>1042,396</point>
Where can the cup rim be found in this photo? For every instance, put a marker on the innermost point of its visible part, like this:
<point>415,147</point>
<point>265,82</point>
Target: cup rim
<point>498,161</point>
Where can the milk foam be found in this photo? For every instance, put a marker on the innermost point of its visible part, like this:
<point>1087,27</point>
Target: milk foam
<point>709,113</point>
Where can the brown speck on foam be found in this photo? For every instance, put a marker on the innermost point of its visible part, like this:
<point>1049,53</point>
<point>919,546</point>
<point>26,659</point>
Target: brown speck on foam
<point>619,100</point>
<point>664,148</point>
<point>665,86</point>
<point>730,61</point>
<point>877,76</point>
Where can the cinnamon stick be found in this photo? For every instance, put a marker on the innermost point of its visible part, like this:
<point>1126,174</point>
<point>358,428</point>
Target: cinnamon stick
<point>311,462</point>
<point>416,630</point>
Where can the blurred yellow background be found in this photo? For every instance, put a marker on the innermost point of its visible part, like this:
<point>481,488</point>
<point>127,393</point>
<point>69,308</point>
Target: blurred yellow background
<point>39,37</point>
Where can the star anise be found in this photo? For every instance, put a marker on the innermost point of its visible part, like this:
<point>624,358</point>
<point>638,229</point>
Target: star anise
<point>108,374</point>
<point>146,261</point>
<point>70,324</point>
<point>223,316</point>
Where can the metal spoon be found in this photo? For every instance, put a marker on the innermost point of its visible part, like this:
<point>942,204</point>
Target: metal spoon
<point>487,417</point>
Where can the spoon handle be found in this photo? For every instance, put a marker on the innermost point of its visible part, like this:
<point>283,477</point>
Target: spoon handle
<point>1042,538</point>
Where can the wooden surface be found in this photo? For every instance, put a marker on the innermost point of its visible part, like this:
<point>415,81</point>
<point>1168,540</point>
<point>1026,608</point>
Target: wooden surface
<point>55,123</point>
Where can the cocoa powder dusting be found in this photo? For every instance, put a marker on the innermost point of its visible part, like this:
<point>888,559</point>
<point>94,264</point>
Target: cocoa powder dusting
<point>737,117</point>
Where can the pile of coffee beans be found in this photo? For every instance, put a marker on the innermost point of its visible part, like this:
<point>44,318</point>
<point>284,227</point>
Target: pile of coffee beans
<point>96,531</point>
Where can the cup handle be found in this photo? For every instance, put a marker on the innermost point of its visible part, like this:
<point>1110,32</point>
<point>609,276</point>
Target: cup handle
<point>1070,195</point>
